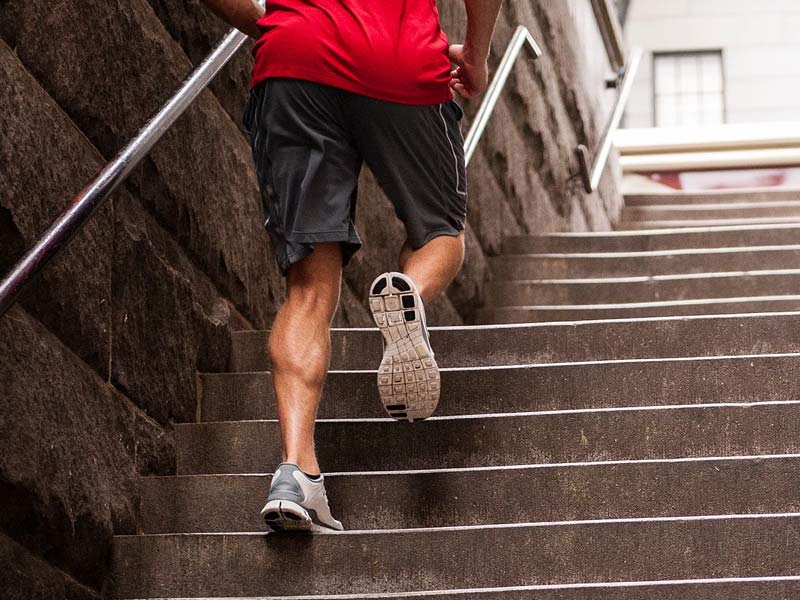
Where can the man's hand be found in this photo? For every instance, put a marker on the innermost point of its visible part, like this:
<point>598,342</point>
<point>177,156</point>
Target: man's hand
<point>471,76</point>
<point>241,14</point>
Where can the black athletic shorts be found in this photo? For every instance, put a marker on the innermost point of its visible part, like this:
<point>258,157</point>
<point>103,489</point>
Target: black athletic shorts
<point>309,142</point>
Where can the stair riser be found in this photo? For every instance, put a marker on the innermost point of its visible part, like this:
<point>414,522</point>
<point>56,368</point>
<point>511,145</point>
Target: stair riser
<point>519,293</point>
<point>232,503</point>
<point>252,565</point>
<point>757,590</point>
<point>523,315</point>
<point>230,397</point>
<point>255,447</point>
<point>677,213</point>
<point>755,195</point>
<point>361,349</point>
<point>523,267</point>
<point>642,242</point>
<point>694,223</point>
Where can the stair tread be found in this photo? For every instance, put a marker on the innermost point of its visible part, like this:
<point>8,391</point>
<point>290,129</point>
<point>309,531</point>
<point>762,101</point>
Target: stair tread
<point>458,557</point>
<point>520,493</point>
<point>519,388</point>
<point>524,343</point>
<point>494,440</point>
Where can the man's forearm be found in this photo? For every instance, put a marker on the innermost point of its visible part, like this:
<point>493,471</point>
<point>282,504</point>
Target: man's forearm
<point>481,18</point>
<point>241,14</point>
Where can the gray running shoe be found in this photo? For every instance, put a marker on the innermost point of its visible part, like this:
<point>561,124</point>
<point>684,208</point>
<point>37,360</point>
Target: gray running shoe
<point>297,503</point>
<point>408,378</point>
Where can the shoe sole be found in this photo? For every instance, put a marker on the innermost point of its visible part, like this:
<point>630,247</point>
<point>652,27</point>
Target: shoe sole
<point>285,515</point>
<point>408,377</point>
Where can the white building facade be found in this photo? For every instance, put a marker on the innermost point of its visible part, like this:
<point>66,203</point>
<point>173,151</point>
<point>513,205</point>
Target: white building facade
<point>709,62</point>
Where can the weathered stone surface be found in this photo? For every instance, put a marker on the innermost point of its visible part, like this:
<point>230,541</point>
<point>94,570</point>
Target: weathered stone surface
<point>168,320</point>
<point>71,447</point>
<point>44,161</point>
<point>26,577</point>
<point>198,30</point>
<point>199,180</point>
<point>124,296</point>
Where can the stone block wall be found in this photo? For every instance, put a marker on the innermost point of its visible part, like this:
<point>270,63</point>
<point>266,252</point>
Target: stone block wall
<point>98,359</point>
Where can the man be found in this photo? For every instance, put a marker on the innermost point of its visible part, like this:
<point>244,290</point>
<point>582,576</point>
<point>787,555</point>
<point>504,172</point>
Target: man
<point>337,83</point>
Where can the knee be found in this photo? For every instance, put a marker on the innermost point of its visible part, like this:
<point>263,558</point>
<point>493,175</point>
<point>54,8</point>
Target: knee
<point>312,302</point>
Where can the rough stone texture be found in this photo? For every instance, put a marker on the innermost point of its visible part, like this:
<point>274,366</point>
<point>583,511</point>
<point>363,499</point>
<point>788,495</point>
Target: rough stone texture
<point>124,296</point>
<point>72,297</point>
<point>198,181</point>
<point>168,320</point>
<point>198,30</point>
<point>29,578</point>
<point>73,486</point>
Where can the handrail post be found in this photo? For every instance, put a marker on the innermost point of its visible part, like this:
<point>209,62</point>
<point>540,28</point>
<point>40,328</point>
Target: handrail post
<point>521,38</point>
<point>591,172</point>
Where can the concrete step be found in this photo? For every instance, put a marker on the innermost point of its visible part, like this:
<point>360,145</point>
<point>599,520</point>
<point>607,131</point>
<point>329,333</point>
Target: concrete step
<point>714,197</point>
<point>777,588</point>
<point>556,342</point>
<point>496,440</point>
<point>664,239</point>
<point>602,384</point>
<point>631,264</point>
<point>721,210</point>
<point>401,561</point>
<point>231,503</point>
<point>667,308</point>
<point>615,290</point>
<point>718,222</point>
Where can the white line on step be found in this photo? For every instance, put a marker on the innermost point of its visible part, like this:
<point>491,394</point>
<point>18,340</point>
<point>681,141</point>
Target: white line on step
<point>583,322</point>
<point>500,468</point>
<point>615,361</point>
<point>656,304</point>
<point>635,233</point>
<point>543,587</point>
<point>529,525</point>
<point>580,281</point>
<point>575,411</point>
<point>655,253</point>
<point>567,465</point>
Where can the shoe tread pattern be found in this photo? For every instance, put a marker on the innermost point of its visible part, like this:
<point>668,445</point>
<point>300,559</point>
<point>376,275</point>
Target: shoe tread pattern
<point>408,377</point>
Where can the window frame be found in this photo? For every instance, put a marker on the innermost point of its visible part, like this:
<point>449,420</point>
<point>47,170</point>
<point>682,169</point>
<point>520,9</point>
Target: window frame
<point>682,53</point>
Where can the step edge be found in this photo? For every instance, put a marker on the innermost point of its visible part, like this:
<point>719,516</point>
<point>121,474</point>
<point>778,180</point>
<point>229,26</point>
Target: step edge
<point>754,458</point>
<point>787,516</point>
<point>525,588</point>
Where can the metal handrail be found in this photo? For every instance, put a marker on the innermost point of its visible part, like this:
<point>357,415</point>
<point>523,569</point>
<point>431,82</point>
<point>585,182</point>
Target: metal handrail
<point>522,38</point>
<point>607,21</point>
<point>90,198</point>
<point>591,172</point>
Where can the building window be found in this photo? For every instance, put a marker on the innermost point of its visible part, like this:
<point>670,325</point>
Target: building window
<point>688,88</point>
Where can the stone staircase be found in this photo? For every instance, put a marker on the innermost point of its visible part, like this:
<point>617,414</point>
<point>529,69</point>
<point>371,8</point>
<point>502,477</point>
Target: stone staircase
<point>654,457</point>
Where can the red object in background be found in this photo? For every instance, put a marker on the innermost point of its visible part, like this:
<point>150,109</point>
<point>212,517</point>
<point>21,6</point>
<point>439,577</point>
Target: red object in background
<point>728,179</point>
<point>393,51</point>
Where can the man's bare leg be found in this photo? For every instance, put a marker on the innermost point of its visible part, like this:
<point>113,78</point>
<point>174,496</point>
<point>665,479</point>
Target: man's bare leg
<point>300,348</point>
<point>434,266</point>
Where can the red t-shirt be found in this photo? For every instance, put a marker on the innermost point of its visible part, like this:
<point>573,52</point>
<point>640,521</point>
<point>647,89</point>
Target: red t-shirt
<point>392,50</point>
